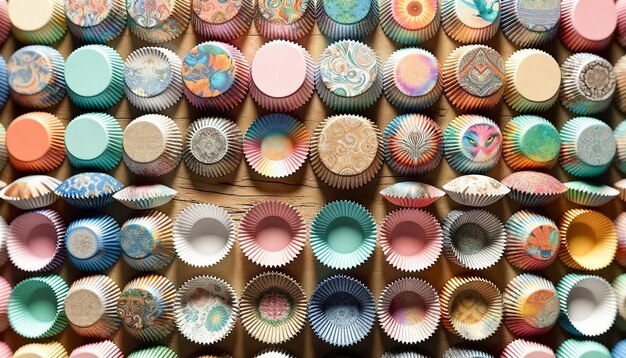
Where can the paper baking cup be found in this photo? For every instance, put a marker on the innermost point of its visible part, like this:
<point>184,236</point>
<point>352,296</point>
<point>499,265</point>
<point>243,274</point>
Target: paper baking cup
<point>621,187</point>
<point>215,353</point>
<point>273,308</point>
<point>203,235</point>
<point>147,241</point>
<point>40,350</point>
<point>104,349</point>
<point>458,352</point>
<point>153,78</point>
<point>531,305</point>
<point>276,145</point>
<point>620,142</point>
<point>4,228</point>
<point>473,239</point>
<point>411,239</point>
<point>5,350</point>
<point>89,191</point>
<point>36,307</point>
<point>31,192</point>
<point>410,194</point>
<point>206,309</point>
<point>471,307</point>
<point>5,22</point>
<point>530,188</point>
<point>213,147</point>
<point>22,135</point>
<point>588,84</point>
<point>521,348</point>
<point>465,23</point>
<point>412,144</point>
<point>35,241</point>
<point>401,353</point>
<point>588,147</point>
<point>92,243</point>
<point>410,22</point>
<point>4,155</point>
<point>472,144</point>
<point>158,22</point>
<point>587,25</point>
<point>588,304</point>
<point>273,353</point>
<point>530,142</point>
<point>226,66</point>
<point>529,24</point>
<point>46,25</point>
<point>588,239</point>
<point>142,197</point>
<point>154,352</point>
<point>578,348</point>
<point>102,149</point>
<point>146,307</point>
<point>532,241</point>
<point>272,233</point>
<point>91,306</point>
<point>619,286</point>
<point>223,21</point>
<point>285,20</point>
<point>341,310</point>
<point>620,228</point>
<point>5,293</point>
<point>588,194</point>
<point>619,69</point>
<point>619,350</point>
<point>408,310</point>
<point>339,20</point>
<point>533,78</point>
<point>342,235</point>
<point>96,23</point>
<point>475,190</point>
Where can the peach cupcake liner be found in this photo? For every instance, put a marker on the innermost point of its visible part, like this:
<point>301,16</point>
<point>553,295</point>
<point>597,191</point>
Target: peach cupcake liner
<point>468,158</point>
<point>272,233</point>
<point>475,190</point>
<point>411,239</point>
<point>224,21</point>
<point>620,229</point>
<point>91,306</point>
<point>104,349</point>
<point>588,194</point>
<point>588,84</point>
<point>143,197</point>
<point>530,142</point>
<point>359,21</point>
<point>528,24</point>
<point>464,23</point>
<point>526,349</point>
<point>273,308</point>
<point>35,241</point>
<point>471,307</point>
<point>162,23</point>
<point>530,188</point>
<point>408,310</point>
<point>147,241</point>
<point>410,22</point>
<point>523,69</point>
<point>412,194</point>
<point>5,293</point>
<point>213,147</point>
<point>588,239</point>
<point>570,24</point>
<point>532,241</point>
<point>473,239</point>
<point>31,192</point>
<point>285,21</point>
<point>531,305</point>
<point>49,349</point>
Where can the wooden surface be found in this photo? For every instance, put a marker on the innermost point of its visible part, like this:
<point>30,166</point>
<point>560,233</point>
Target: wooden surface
<point>244,187</point>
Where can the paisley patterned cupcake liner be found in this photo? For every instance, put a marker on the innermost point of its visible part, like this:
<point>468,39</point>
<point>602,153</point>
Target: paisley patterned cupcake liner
<point>407,25</point>
<point>531,305</point>
<point>459,31</point>
<point>337,31</point>
<point>530,143</point>
<point>5,293</point>
<point>524,348</point>
<point>588,194</point>
<point>92,243</point>
<point>532,241</point>
<point>533,189</point>
<point>147,241</point>
<point>99,349</point>
<point>578,348</point>
<point>157,22</point>
<point>287,21</point>
<point>472,144</point>
<point>89,191</point>
<point>49,349</point>
<point>225,22</point>
<point>109,156</point>
<point>475,190</point>
<point>91,306</point>
<point>143,197</point>
<point>519,24</point>
<point>31,192</point>
<point>411,194</point>
<point>582,97</point>
<point>96,25</point>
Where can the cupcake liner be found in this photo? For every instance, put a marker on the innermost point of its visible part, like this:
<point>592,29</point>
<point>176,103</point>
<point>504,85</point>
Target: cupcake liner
<point>475,190</point>
<point>588,84</point>
<point>276,145</point>
<point>339,20</point>
<point>587,147</point>
<point>465,23</point>
<point>5,350</point>
<point>338,65</point>
<point>589,194</point>
<point>35,241</point>
<point>47,318</point>
<point>531,307</point>
<point>5,293</point>
<point>471,307</point>
<point>215,353</point>
<point>588,239</point>
<point>285,20</point>
<point>5,22</point>
<point>530,188</point>
<point>153,145</point>
<point>342,235</point>
<point>594,32</point>
<point>473,239</point>
<point>588,304</point>
<point>88,191</point>
<point>411,239</point>
<point>409,194</point>
<point>619,350</point>
<point>341,310</point>
<point>4,257</point>
<point>153,78</point>
<point>410,23</point>
<point>399,353</point>
<point>91,306</point>
<point>530,142</point>
<point>408,310</point>
<point>274,353</point>
<point>619,69</point>
<point>154,352</point>
<point>4,155</point>
<point>532,241</point>
<point>147,241</point>
<point>571,348</point>
<point>472,144</point>
<point>206,309</point>
<point>205,61</point>
<point>96,23</point>
<point>412,77</point>
<point>620,228</point>
<point>222,21</point>
<point>158,22</point>
<point>92,243</point>
<point>528,24</point>
<point>146,308</point>
<point>273,308</point>
<point>290,62</point>
<point>412,144</point>
<point>458,352</point>
<point>26,139</point>
<point>213,147</point>
<point>44,26</point>
<point>143,197</point>
<point>621,187</point>
<point>203,235</point>
<point>619,286</point>
<point>35,76</point>
<point>523,348</point>
<point>103,349</point>
<point>272,233</point>
<point>31,192</point>
<point>620,142</point>
<point>533,78</point>
<point>49,349</point>
<point>94,141</point>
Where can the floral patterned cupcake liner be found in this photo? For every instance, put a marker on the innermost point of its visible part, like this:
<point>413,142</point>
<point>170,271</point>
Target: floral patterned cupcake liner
<point>89,191</point>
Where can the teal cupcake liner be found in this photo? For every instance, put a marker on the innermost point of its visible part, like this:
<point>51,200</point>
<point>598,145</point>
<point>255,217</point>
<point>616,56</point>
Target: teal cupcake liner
<point>530,143</point>
<point>587,147</point>
<point>573,348</point>
<point>109,156</point>
<point>154,352</point>
<point>588,194</point>
<point>36,307</point>
<point>84,28</point>
<point>89,191</point>
<point>620,142</point>
<point>404,35</point>
<point>337,31</point>
<point>343,235</point>
<point>532,241</point>
<point>92,243</point>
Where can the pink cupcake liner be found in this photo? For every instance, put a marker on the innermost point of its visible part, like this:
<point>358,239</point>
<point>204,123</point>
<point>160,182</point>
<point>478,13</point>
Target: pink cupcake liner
<point>4,228</point>
<point>227,30</point>
<point>35,241</point>
<point>279,25</point>
<point>621,22</point>
<point>570,35</point>
<point>104,349</point>
<point>5,292</point>
<point>620,228</point>
<point>5,23</point>
<point>5,350</point>
<point>521,348</point>
<point>411,239</point>
<point>272,233</point>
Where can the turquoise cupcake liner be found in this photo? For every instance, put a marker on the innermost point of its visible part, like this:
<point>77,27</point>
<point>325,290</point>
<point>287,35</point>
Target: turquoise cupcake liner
<point>4,82</point>
<point>530,143</point>
<point>336,31</point>
<point>343,235</point>
<point>89,191</point>
<point>619,350</point>
<point>588,194</point>
<point>532,241</point>
<point>341,310</point>
<point>92,243</point>
<point>457,352</point>
<point>106,30</point>
<point>25,77</point>
<point>44,316</point>
<point>402,35</point>
<point>620,141</point>
<point>573,348</point>
<point>154,352</point>
<point>110,156</point>
<point>598,147</point>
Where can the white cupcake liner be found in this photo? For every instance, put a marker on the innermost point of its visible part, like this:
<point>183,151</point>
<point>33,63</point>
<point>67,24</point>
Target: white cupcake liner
<point>31,192</point>
<point>143,197</point>
<point>475,190</point>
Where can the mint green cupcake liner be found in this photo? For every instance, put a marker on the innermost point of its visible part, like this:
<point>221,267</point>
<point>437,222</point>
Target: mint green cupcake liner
<point>587,147</point>
<point>343,235</point>
<point>78,136</point>
<point>573,348</point>
<point>154,352</point>
<point>589,194</point>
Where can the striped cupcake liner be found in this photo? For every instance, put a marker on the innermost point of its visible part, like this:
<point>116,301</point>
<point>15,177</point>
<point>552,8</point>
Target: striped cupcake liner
<point>92,243</point>
<point>31,192</point>
<point>143,197</point>
<point>91,306</point>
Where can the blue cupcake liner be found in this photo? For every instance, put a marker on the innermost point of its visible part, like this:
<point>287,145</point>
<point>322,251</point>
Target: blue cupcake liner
<point>147,241</point>
<point>4,82</point>
<point>89,191</point>
<point>573,348</point>
<point>336,31</point>
<point>98,234</point>
<point>619,350</point>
